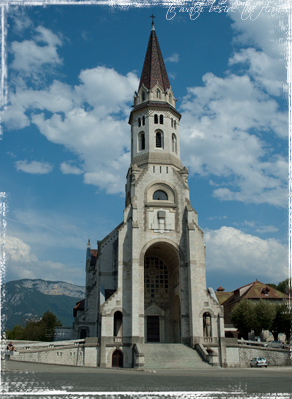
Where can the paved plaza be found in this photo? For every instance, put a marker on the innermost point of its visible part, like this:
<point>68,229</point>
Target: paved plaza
<point>19,378</point>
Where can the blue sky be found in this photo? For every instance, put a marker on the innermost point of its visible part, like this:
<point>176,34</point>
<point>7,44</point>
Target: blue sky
<point>72,73</point>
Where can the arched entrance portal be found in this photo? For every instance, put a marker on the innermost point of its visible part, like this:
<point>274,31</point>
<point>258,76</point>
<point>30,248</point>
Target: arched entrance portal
<point>161,294</point>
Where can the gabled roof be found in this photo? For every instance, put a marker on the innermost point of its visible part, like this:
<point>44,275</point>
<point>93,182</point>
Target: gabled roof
<point>255,290</point>
<point>222,296</point>
<point>154,70</point>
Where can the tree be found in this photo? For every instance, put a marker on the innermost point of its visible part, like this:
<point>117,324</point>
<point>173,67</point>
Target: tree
<point>242,317</point>
<point>50,321</point>
<point>247,316</point>
<point>283,286</point>
<point>282,322</point>
<point>36,330</point>
<point>15,333</point>
<point>265,313</point>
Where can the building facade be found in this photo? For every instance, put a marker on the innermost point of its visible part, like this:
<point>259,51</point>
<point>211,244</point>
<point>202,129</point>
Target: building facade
<point>146,283</point>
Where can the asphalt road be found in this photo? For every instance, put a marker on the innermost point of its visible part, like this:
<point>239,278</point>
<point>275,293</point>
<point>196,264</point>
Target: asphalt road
<point>27,380</point>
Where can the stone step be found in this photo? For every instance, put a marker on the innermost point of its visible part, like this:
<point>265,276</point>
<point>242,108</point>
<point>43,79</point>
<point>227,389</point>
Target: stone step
<point>171,356</point>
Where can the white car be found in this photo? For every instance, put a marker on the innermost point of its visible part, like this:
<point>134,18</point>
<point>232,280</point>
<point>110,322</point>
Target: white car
<point>259,362</point>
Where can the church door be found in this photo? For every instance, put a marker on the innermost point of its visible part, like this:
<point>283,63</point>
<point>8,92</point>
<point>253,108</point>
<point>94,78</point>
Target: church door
<point>153,334</point>
<point>117,359</point>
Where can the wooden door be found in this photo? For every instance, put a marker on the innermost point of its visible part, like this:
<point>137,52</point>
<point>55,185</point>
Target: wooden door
<point>117,359</point>
<point>153,333</point>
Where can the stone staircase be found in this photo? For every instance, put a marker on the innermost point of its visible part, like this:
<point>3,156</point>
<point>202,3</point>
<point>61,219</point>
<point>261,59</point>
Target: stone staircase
<point>171,356</point>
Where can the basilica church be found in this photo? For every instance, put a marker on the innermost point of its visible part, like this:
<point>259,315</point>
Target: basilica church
<point>146,281</point>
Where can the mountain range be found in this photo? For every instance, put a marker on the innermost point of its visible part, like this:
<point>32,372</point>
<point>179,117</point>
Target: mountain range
<point>26,299</point>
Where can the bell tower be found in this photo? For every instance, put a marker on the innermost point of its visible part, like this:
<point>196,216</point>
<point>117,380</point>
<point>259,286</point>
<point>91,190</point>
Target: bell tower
<point>154,120</point>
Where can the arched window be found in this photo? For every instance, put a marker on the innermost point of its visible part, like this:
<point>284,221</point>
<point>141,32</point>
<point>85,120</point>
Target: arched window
<point>155,118</point>
<point>174,143</point>
<point>158,140</point>
<point>161,119</point>
<point>156,281</point>
<point>157,93</point>
<point>141,141</point>
<point>139,122</point>
<point>118,324</point>
<point>171,122</point>
<point>143,96</point>
<point>160,195</point>
<point>83,333</point>
<point>143,120</point>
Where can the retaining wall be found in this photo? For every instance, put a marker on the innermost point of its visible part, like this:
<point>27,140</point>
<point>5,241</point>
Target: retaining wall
<point>240,356</point>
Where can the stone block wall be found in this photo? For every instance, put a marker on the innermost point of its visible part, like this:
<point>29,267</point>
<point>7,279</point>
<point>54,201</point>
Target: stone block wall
<point>240,356</point>
<point>64,355</point>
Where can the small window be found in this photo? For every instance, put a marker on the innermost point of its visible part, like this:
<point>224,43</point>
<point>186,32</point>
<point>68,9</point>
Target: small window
<point>158,140</point>
<point>160,195</point>
<point>157,93</point>
<point>139,122</point>
<point>156,119</point>
<point>141,141</point>
<point>161,119</point>
<point>175,124</point>
<point>143,96</point>
<point>143,120</point>
<point>170,98</point>
<point>171,122</point>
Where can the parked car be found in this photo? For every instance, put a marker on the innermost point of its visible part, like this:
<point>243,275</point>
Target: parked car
<point>259,362</point>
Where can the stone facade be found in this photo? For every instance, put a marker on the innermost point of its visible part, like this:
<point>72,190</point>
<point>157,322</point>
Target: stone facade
<point>148,283</point>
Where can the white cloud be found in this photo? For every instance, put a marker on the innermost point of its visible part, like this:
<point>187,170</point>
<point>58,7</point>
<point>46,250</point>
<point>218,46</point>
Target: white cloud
<point>34,167</point>
<point>268,72</point>
<point>226,128</point>
<point>267,32</point>
<point>18,251</point>
<point>230,250</point>
<point>230,125</point>
<point>20,20</point>
<point>69,169</point>
<point>173,58</point>
<point>22,263</point>
<point>260,229</point>
<point>31,55</point>
<point>89,119</point>
<point>267,229</point>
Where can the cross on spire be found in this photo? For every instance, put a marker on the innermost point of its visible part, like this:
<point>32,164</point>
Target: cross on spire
<point>152,16</point>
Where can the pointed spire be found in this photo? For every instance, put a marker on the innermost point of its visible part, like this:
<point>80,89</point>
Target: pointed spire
<point>154,69</point>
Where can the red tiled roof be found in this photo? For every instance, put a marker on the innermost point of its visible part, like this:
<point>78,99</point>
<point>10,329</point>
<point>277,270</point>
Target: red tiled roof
<point>260,290</point>
<point>154,69</point>
<point>256,290</point>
